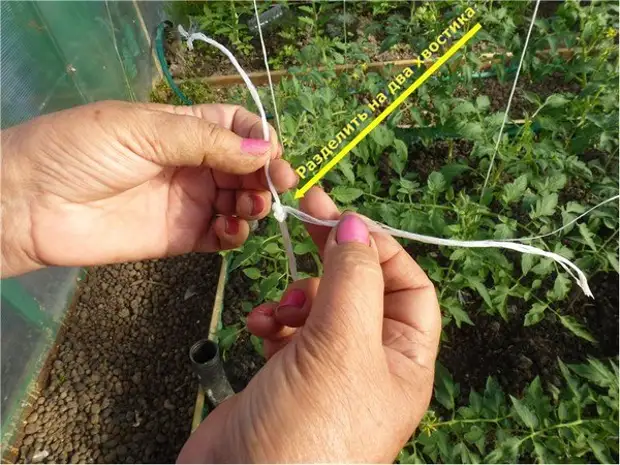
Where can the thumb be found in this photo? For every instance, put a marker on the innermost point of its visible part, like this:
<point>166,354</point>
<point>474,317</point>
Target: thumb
<point>348,307</point>
<point>170,139</point>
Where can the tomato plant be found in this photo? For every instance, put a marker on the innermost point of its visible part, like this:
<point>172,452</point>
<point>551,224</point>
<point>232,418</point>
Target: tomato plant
<point>424,169</point>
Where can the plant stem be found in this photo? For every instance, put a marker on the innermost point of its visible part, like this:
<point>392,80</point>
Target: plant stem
<point>471,420</point>
<point>561,425</point>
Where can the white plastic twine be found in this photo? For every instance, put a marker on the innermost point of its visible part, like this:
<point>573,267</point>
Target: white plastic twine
<point>278,211</point>
<point>281,212</point>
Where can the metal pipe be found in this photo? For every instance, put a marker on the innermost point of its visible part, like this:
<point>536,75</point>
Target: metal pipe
<point>207,364</point>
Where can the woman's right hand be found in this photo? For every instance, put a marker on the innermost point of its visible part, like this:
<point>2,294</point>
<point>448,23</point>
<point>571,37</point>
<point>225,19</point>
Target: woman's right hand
<point>351,358</point>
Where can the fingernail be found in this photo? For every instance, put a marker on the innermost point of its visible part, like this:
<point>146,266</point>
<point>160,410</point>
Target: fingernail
<point>295,298</point>
<point>255,146</point>
<point>258,204</point>
<point>264,309</point>
<point>232,226</point>
<point>352,228</point>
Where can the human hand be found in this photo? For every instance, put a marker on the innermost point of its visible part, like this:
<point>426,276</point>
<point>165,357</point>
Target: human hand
<point>351,358</point>
<point>115,181</point>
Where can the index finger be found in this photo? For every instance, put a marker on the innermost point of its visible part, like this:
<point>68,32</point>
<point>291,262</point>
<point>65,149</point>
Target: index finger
<point>235,118</point>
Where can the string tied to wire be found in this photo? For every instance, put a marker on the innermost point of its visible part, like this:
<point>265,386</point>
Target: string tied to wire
<point>281,211</point>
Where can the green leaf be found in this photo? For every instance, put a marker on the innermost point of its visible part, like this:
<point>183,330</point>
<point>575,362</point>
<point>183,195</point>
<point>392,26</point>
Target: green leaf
<point>587,235</point>
<point>368,173</point>
<point>436,182</point>
<point>571,381</point>
<point>389,42</point>
<point>503,231</point>
<point>474,434</point>
<point>306,102</point>
<point>482,290</point>
<point>249,250</point>
<point>399,157</point>
<point>464,108</point>
<point>599,450</point>
<point>525,414</point>
<point>438,222</point>
<point>483,102</point>
<point>304,247</point>
<point>506,452</point>
<point>471,130</point>
<point>257,344</point>
<point>272,248</point>
<point>612,258</point>
<point>527,261</point>
<point>536,313</point>
<point>541,452</point>
<point>269,284</point>
<point>513,191</point>
<point>456,310</point>
<point>596,372</point>
<point>453,170</point>
<point>576,328</point>
<point>252,273</point>
<point>544,267</point>
<point>306,20</point>
<point>382,136</point>
<point>545,206</point>
<point>227,336</point>
<point>346,194</point>
<point>574,207</point>
<point>561,286</point>
<point>345,168</point>
<point>556,100</point>
<point>556,183</point>
<point>446,389</point>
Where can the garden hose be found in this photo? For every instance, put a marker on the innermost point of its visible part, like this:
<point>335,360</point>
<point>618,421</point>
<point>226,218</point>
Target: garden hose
<point>161,57</point>
<point>159,46</point>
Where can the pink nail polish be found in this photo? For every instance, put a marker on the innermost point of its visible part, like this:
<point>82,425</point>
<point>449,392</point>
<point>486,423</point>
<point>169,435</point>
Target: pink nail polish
<point>352,228</point>
<point>255,146</point>
<point>295,298</point>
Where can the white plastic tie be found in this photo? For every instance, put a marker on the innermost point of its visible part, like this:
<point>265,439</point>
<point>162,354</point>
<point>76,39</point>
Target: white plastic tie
<point>279,212</point>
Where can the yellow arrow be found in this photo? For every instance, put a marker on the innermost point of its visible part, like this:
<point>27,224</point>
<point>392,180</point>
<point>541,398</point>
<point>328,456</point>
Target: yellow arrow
<point>385,113</point>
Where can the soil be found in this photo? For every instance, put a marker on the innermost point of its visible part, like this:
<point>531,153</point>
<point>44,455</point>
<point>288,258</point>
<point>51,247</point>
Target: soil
<point>120,388</point>
<point>510,352</point>
<point>498,92</point>
<point>515,354</point>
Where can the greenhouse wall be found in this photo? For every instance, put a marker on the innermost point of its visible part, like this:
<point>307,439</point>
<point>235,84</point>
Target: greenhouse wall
<point>57,55</point>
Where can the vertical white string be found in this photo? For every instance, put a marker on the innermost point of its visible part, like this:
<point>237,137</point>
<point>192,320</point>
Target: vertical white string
<point>344,23</point>
<point>278,211</point>
<point>273,94</point>
<point>277,206</point>
<point>512,93</point>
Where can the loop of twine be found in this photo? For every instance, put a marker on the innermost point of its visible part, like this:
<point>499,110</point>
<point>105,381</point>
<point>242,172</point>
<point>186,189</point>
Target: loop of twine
<point>280,211</point>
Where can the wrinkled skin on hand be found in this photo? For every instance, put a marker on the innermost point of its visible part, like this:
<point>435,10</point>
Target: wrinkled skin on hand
<point>350,360</point>
<point>115,181</point>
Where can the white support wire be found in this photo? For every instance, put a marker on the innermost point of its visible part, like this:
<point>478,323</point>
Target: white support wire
<point>273,94</point>
<point>512,93</point>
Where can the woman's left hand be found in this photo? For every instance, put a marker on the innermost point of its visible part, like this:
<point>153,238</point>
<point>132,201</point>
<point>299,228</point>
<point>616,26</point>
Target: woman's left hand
<point>115,181</point>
